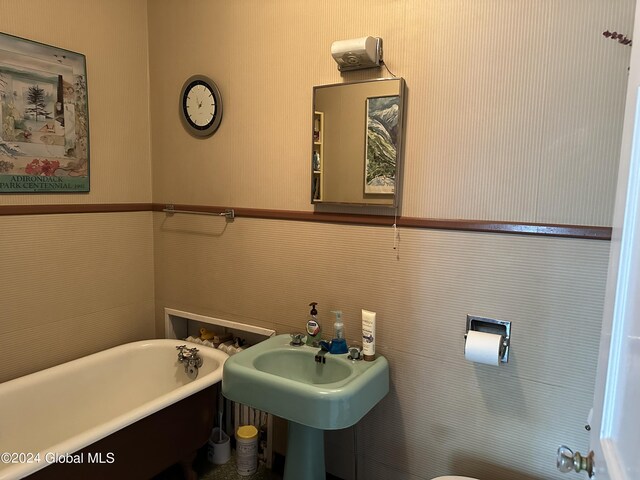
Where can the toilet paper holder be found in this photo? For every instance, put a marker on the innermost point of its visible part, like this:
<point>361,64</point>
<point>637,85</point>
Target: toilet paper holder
<point>490,325</point>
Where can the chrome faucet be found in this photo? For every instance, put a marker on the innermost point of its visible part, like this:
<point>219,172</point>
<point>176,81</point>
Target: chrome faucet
<point>324,349</point>
<point>355,353</point>
<point>190,359</point>
<point>296,339</point>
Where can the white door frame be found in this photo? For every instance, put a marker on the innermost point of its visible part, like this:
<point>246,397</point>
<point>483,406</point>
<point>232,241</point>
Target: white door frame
<point>613,439</point>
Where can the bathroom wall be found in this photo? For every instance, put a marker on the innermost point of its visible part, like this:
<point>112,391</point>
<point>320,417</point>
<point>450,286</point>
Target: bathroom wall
<point>74,284</point>
<point>514,107</point>
<point>514,113</point>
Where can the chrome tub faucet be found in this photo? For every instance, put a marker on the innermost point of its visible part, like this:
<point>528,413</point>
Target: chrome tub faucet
<point>190,359</point>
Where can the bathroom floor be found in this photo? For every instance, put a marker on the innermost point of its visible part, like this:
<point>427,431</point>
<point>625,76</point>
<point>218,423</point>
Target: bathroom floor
<point>209,471</point>
<point>228,472</point>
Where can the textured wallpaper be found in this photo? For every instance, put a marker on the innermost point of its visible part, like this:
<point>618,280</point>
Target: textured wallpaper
<point>514,113</point>
<point>514,108</point>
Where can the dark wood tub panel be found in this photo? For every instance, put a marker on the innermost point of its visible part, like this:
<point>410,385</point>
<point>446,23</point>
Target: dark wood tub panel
<point>146,447</point>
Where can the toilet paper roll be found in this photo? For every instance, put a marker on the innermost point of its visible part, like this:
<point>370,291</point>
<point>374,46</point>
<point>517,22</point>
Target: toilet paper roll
<point>483,347</point>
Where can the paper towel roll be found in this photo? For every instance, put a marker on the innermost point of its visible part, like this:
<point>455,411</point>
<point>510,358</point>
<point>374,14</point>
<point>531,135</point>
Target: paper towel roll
<point>483,347</point>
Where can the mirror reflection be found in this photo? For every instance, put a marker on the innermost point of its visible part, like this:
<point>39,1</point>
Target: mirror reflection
<point>357,137</point>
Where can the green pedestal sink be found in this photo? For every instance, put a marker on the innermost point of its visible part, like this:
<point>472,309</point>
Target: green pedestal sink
<point>287,381</point>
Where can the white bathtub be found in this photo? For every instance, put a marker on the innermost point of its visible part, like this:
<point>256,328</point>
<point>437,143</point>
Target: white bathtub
<point>62,409</point>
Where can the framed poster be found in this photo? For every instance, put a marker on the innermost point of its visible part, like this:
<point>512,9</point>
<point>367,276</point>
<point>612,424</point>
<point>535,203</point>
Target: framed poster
<point>381,149</point>
<point>44,139</point>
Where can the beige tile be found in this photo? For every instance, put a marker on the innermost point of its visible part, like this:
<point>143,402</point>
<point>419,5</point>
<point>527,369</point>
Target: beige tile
<point>551,289</point>
<point>70,338</point>
<point>62,266</point>
<point>441,418</point>
<point>443,415</point>
<point>73,284</point>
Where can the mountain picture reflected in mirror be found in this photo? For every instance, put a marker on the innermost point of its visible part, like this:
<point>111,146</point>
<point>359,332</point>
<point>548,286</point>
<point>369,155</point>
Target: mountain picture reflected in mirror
<point>356,147</point>
<point>382,144</point>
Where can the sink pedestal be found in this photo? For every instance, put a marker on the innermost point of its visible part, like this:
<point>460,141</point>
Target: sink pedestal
<point>305,453</point>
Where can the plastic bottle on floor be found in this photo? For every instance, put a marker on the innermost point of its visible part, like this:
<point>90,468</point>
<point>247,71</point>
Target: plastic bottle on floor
<point>247,450</point>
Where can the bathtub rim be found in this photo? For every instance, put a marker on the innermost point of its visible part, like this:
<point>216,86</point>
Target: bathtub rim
<point>92,435</point>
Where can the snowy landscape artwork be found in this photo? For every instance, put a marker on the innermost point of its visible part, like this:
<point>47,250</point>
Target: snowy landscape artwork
<point>382,145</point>
<point>44,139</point>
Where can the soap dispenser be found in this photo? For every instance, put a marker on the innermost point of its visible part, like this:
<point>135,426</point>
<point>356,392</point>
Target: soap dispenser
<point>338,326</point>
<point>313,326</point>
<point>339,343</point>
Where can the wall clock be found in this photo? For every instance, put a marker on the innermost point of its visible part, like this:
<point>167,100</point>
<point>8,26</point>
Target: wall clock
<point>200,106</point>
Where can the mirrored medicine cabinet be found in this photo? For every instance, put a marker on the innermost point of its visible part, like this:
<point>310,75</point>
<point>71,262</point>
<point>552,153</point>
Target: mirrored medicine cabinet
<point>357,142</point>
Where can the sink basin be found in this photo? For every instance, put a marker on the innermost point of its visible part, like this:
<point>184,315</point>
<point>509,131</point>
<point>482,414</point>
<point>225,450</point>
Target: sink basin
<point>294,364</point>
<point>285,380</point>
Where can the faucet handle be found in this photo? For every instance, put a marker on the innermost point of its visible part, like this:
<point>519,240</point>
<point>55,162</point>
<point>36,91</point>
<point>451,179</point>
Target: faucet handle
<point>355,353</point>
<point>296,339</point>
<point>185,353</point>
<point>180,349</point>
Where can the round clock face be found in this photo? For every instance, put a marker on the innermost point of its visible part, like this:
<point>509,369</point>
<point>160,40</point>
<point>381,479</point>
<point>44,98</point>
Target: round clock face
<point>200,106</point>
